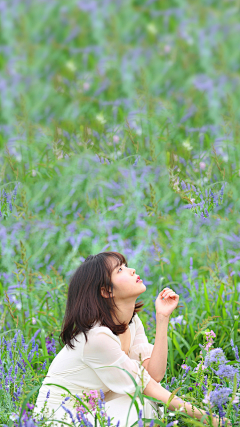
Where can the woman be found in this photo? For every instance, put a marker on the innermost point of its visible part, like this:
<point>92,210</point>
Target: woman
<point>102,333</point>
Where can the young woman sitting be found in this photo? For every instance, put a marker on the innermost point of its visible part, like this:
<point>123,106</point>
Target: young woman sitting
<point>102,332</point>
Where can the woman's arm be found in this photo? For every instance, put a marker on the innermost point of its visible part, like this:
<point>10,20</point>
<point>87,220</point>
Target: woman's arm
<point>166,302</point>
<point>156,365</point>
<point>153,389</point>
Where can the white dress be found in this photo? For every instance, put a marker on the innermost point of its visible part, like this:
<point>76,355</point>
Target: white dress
<point>94,366</point>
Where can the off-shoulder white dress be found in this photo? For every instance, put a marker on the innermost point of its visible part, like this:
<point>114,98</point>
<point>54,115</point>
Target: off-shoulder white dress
<point>90,366</point>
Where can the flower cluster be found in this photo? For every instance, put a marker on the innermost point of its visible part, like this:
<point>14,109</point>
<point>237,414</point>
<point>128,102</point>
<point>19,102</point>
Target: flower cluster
<point>215,362</point>
<point>17,364</point>
<point>6,202</point>
<point>50,344</point>
<point>200,203</point>
<point>209,338</point>
<point>177,320</point>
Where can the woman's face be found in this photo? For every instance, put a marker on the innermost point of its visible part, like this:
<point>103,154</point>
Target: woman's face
<point>125,285</point>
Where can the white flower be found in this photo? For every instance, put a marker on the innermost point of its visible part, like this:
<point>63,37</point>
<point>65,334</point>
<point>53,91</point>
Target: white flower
<point>151,28</point>
<point>34,173</point>
<point>206,399</point>
<point>71,66</point>
<point>34,321</point>
<point>187,145</point>
<point>100,118</point>
<point>59,154</point>
<point>13,417</point>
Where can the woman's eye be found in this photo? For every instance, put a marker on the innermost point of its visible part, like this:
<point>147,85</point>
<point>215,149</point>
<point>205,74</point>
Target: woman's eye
<point>121,267</point>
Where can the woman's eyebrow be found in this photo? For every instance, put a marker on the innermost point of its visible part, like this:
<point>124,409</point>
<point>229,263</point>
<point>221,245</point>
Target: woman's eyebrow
<point>118,266</point>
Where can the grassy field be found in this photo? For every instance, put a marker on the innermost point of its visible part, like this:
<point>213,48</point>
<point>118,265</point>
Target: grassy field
<point>120,131</point>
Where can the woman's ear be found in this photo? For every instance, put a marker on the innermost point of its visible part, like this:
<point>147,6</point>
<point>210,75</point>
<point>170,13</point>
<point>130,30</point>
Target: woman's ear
<point>104,293</point>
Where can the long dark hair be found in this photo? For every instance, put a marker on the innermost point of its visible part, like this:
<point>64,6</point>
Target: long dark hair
<point>85,304</point>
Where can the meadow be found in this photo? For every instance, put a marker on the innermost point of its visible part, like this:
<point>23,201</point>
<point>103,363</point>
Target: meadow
<point>120,131</point>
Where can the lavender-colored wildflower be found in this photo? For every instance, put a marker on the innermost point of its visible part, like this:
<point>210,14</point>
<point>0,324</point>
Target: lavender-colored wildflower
<point>235,350</point>
<point>102,394</point>
<point>220,397</point>
<point>183,185</point>
<point>216,355</point>
<point>69,413</point>
<point>15,340</point>
<point>227,371</point>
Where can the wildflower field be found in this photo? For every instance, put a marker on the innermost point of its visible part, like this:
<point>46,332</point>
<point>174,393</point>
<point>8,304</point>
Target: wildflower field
<point>120,131</point>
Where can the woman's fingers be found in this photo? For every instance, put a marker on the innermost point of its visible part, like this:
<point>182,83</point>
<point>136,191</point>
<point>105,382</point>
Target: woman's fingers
<point>166,293</point>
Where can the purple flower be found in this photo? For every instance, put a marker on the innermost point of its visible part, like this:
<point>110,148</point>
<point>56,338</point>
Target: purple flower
<point>216,355</point>
<point>102,394</point>
<point>183,185</point>
<point>227,371</point>
<point>50,344</point>
<point>30,406</point>
<point>235,350</point>
<point>172,423</point>
<point>69,413</point>
<point>220,397</point>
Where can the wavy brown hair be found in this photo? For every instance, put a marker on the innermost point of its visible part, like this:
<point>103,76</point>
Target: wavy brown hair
<point>85,304</point>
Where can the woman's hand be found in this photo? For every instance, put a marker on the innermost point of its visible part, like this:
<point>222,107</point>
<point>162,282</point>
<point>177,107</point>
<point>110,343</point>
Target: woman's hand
<point>225,422</point>
<point>166,302</point>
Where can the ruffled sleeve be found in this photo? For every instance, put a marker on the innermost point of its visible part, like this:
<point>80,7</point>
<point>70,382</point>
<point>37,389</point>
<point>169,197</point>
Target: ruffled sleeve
<point>140,343</point>
<point>103,354</point>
